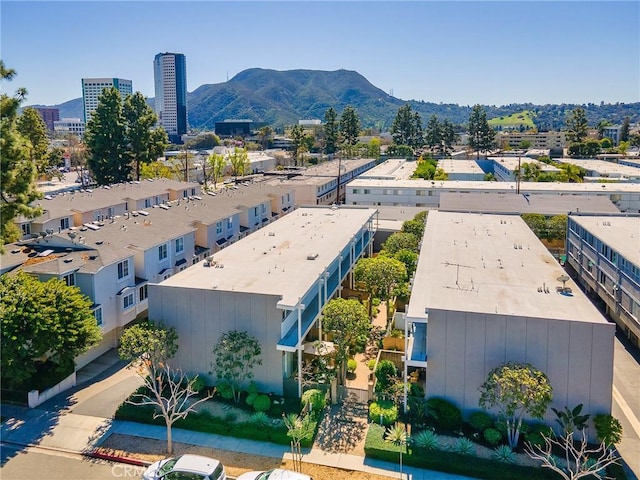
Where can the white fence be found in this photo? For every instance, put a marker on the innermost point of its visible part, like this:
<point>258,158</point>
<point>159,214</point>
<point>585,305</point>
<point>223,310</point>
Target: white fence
<point>36,398</point>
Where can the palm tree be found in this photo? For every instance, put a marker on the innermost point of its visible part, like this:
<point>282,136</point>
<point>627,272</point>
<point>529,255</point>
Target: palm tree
<point>571,173</point>
<point>397,435</point>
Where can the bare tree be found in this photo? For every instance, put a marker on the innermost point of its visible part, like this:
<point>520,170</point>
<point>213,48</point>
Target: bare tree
<point>580,461</point>
<point>168,391</point>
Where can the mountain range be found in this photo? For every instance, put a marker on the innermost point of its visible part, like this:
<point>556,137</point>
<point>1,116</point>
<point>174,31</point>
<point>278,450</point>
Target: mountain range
<point>280,98</point>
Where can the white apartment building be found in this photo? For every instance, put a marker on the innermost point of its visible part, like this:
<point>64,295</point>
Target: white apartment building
<point>486,291</point>
<point>69,125</point>
<point>542,140</point>
<point>170,79</point>
<point>92,89</point>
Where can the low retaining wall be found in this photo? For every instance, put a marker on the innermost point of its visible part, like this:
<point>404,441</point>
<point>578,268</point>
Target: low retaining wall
<point>36,398</point>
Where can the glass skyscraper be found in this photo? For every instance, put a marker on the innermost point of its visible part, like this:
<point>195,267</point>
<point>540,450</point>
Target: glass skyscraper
<point>170,77</point>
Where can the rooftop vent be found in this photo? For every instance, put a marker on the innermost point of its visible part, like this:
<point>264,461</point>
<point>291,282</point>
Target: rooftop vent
<point>312,256</point>
<point>143,213</point>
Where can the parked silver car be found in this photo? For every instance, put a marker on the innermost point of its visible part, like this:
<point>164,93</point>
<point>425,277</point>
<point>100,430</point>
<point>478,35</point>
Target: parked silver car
<point>274,474</point>
<point>185,467</point>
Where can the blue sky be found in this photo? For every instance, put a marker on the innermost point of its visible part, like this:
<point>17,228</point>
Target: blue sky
<point>464,52</point>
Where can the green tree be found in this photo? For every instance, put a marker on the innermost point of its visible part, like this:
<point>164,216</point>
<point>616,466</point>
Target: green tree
<point>149,343</point>
<point>157,169</point>
<point>577,126</point>
<point>399,240</point>
<point>414,226</point>
<point>516,389</point>
<point>440,174</point>
<point>529,171</point>
<point>537,222</point>
<point>525,145</point>
<point>449,137</point>
<point>409,259</point>
<point>32,127</point>
<point>397,436</point>
<point>217,163</point>
<point>234,357</point>
<point>42,320</point>
<point>608,429</point>
<point>145,143</point>
<point>106,139</point>
<point>17,171</point>
<point>634,140</point>
<point>299,429</point>
<point>481,135</point>
<point>601,126</point>
<point>407,127</point>
<point>623,147</point>
<point>331,131</point>
<point>557,227</point>
<point>348,324</point>
<point>380,276</point>
<point>299,143</point>
<point>373,148</point>
<point>624,129</point>
<point>239,162</point>
<point>350,125</point>
<point>606,143</point>
<point>433,133</point>
<point>205,141</point>
<point>571,173</point>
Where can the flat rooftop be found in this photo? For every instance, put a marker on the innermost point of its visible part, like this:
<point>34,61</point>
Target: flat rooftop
<point>546,204</point>
<point>274,260</point>
<point>511,163</point>
<point>551,187</point>
<point>330,168</point>
<point>394,168</point>
<point>603,168</point>
<point>491,264</point>
<point>460,166</point>
<point>620,233</point>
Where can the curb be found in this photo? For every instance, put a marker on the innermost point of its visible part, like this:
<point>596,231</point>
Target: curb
<point>115,458</point>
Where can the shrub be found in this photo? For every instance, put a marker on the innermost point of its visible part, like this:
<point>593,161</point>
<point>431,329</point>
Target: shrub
<point>480,420</point>
<point>371,364</point>
<point>534,435</point>
<point>230,417</point>
<point>504,454</point>
<point>492,436</point>
<point>198,384</point>
<point>251,398</point>
<point>464,446</point>
<point>375,301</point>
<point>352,365</point>
<point>426,439</point>
<point>416,390</point>
<point>447,415</point>
<point>608,429</point>
<point>225,390</point>
<point>385,374</point>
<point>383,411</point>
<point>501,426</point>
<point>396,333</point>
<point>260,418</point>
<point>262,403</point>
<point>252,388</point>
<point>315,398</point>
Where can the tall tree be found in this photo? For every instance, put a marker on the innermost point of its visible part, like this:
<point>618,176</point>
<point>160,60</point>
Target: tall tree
<point>239,161</point>
<point>399,240</point>
<point>149,343</point>
<point>348,324</point>
<point>17,171</point>
<point>577,125</point>
<point>42,320</point>
<point>234,357</point>
<point>350,125</point>
<point>217,163</point>
<point>407,127</point>
<point>624,129</point>
<point>299,143</point>
<point>481,135</point>
<point>331,131</point>
<point>449,136</point>
<point>265,136</point>
<point>433,133</point>
<point>106,139</point>
<point>32,127</point>
<point>515,390</point>
<point>157,169</point>
<point>380,276</point>
<point>145,143</point>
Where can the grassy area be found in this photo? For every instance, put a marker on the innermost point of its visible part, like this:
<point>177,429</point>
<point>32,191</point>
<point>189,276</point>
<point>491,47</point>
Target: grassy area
<point>514,120</point>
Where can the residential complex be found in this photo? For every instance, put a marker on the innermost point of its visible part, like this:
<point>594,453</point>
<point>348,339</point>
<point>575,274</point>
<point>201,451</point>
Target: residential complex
<point>92,89</point>
<point>541,140</point>
<point>170,80</point>
<point>486,291</point>
<point>604,254</point>
<point>272,284</point>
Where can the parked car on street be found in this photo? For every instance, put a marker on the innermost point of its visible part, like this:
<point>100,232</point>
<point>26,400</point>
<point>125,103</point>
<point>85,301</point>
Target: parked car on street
<point>274,474</point>
<point>185,467</point>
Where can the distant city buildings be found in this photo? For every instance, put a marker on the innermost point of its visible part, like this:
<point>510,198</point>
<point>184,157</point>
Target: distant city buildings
<point>170,78</point>
<point>92,89</point>
<point>49,115</point>
<point>69,125</point>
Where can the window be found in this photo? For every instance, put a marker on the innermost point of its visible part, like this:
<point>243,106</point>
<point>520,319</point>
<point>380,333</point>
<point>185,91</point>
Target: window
<point>219,228</point>
<point>69,279</point>
<point>123,269</point>
<point>185,194</point>
<point>127,301</point>
<point>111,212</point>
<point>97,215</point>
<point>162,252</point>
<point>26,228</point>
<point>179,245</point>
<point>602,278</point>
<point>229,223</point>
<point>255,211</point>
<point>142,293</point>
<point>98,314</point>
<point>147,202</point>
<point>64,223</point>
<point>193,191</point>
<point>263,208</point>
<point>367,191</point>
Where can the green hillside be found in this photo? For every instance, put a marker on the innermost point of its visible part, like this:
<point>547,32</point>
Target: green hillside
<point>516,121</point>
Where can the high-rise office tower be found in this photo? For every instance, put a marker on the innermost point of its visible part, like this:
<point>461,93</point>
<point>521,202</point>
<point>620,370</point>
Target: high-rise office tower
<point>170,76</point>
<point>92,89</point>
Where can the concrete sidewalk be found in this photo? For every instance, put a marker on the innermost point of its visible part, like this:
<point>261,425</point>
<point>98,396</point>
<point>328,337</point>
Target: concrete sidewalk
<point>69,432</point>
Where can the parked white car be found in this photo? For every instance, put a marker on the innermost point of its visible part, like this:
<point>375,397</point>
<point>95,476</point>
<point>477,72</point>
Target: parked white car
<point>274,474</point>
<point>185,467</point>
